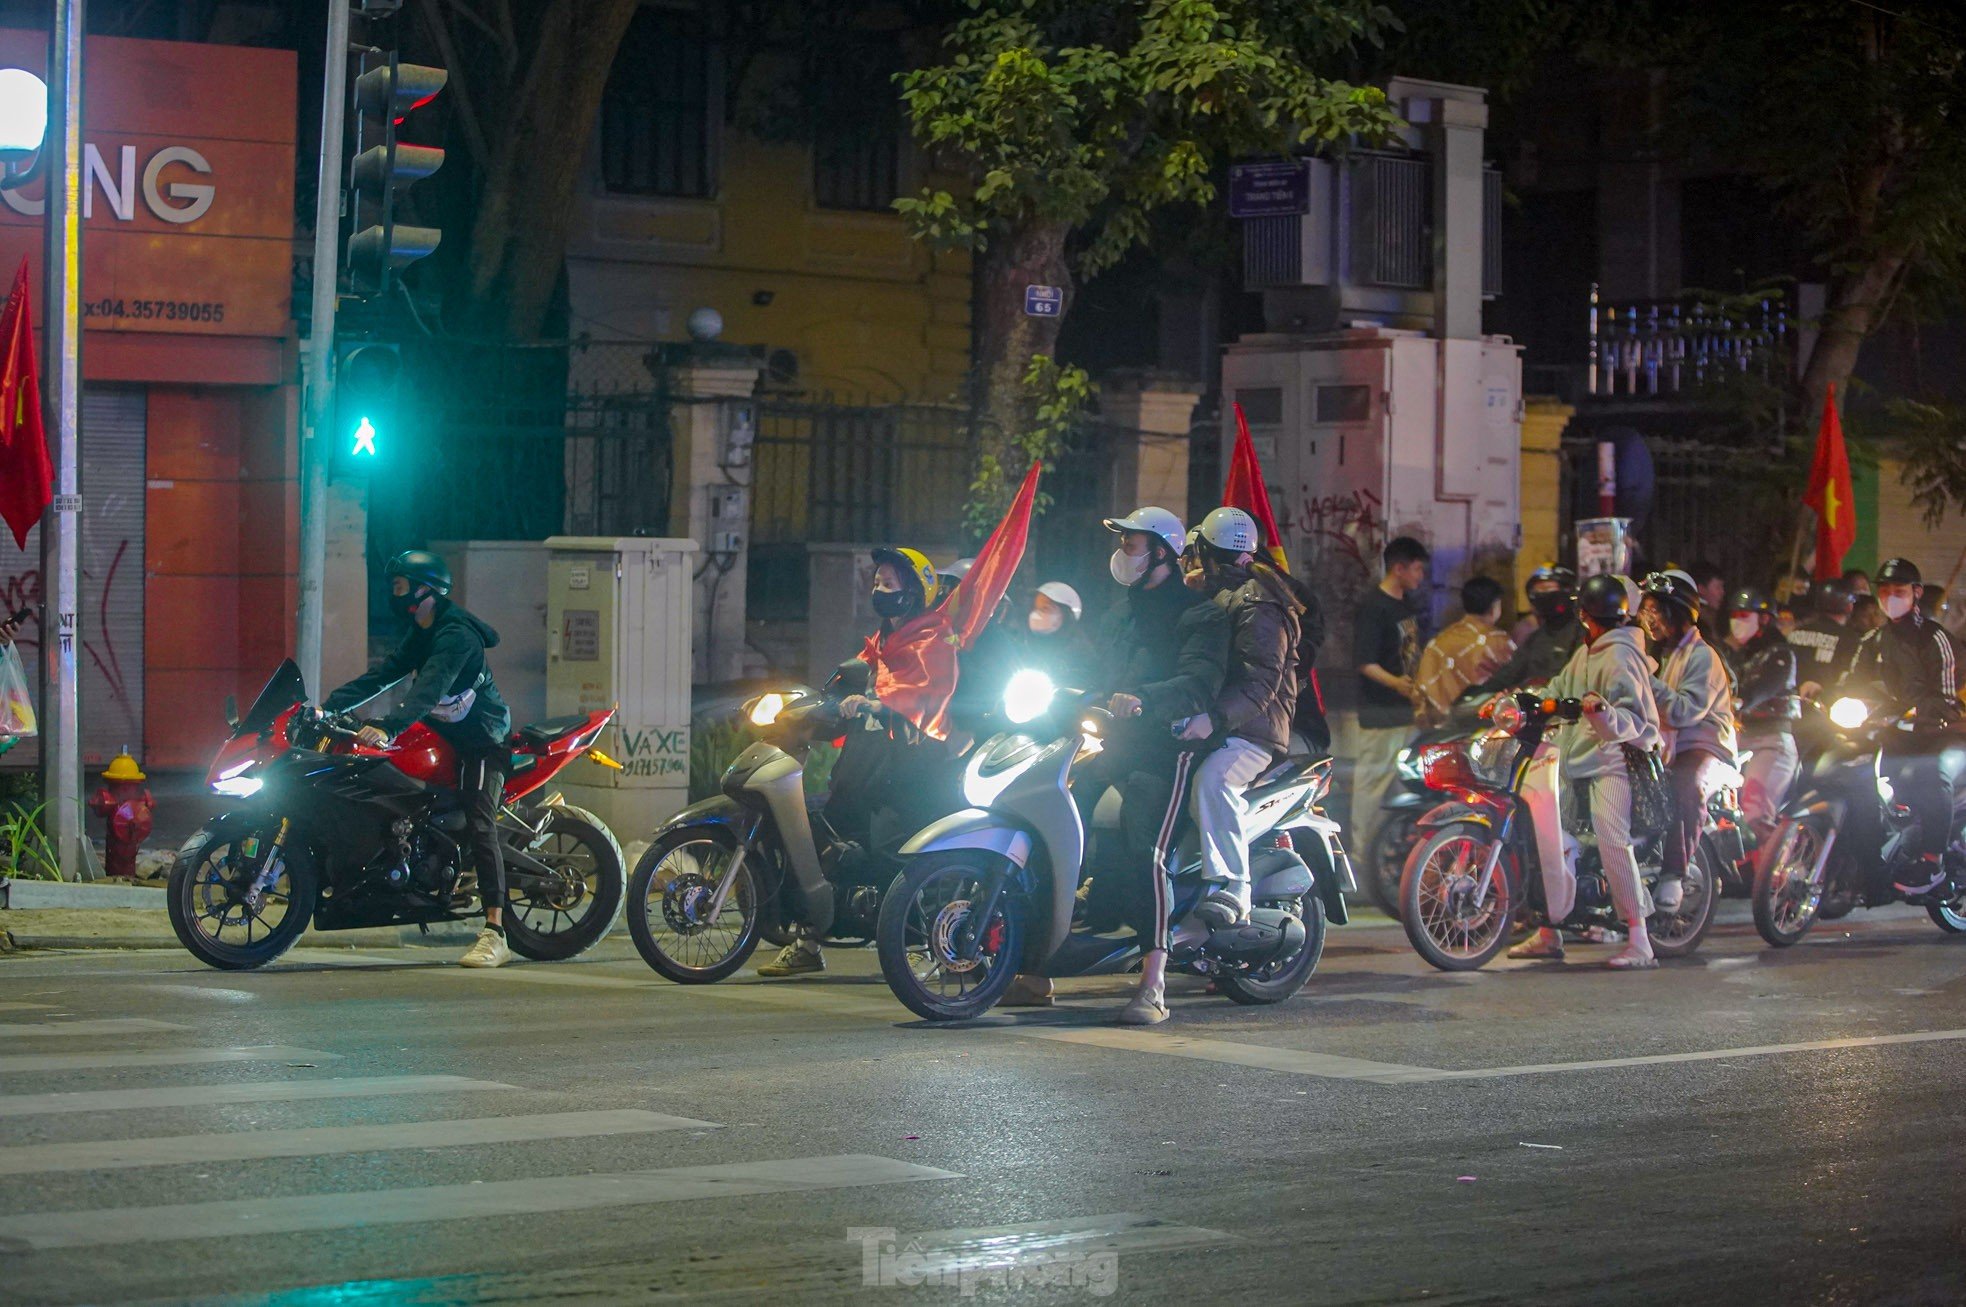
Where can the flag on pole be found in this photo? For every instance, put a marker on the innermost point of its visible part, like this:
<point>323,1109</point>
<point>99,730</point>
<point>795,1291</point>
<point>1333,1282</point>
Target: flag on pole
<point>915,665</point>
<point>26,476</point>
<point>1830,494</point>
<point>1246,490</point>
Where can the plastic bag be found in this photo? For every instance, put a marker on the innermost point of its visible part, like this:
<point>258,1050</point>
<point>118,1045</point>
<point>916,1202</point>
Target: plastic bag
<point>16,707</point>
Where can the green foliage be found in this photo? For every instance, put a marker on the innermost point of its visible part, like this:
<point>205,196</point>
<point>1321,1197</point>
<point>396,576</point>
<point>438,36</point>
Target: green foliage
<point>1093,115</point>
<point>26,852</point>
<point>1056,398</point>
<point>1932,439</point>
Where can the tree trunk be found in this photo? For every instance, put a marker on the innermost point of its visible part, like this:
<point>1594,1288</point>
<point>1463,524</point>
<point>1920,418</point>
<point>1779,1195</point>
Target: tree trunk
<point>1858,301</point>
<point>519,233</point>
<point>1009,337</point>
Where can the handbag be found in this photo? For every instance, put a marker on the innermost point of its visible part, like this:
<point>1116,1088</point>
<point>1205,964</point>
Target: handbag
<point>1651,802</point>
<point>16,707</point>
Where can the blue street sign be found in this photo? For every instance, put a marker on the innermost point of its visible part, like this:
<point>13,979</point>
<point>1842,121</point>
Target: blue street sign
<point>1269,190</point>
<point>1044,301</point>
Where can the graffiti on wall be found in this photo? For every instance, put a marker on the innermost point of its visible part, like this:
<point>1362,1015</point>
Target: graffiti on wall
<point>100,652</point>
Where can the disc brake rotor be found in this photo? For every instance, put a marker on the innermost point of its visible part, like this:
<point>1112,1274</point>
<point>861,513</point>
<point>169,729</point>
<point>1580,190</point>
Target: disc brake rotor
<point>686,901</point>
<point>943,935</point>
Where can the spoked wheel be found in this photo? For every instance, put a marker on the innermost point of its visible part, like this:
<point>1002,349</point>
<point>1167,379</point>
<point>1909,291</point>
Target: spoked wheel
<point>1282,977</point>
<point>1456,911</point>
<point>550,920</point>
<point>927,922</point>
<point>1949,916</point>
<point>1387,862</point>
<point>1677,933</point>
<point>239,898</point>
<point>1789,889</point>
<point>677,924</point>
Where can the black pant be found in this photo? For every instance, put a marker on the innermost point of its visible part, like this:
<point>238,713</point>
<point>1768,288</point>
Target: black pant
<point>1130,884</point>
<point>876,772</point>
<point>1924,768</point>
<point>481,784</point>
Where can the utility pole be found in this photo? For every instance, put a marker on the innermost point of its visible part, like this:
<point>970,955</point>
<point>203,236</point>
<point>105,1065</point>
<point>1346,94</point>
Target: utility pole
<point>61,544</point>
<point>318,409</point>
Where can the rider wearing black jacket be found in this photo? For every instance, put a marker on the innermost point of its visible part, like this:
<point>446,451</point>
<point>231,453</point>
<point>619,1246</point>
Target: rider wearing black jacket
<point>455,696</point>
<point>1552,595</point>
<point>1907,666</point>
<point>1763,666</point>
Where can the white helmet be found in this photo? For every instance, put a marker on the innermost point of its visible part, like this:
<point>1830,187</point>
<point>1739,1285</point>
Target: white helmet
<point>956,571</point>
<point>1065,597</point>
<point>1153,521</point>
<point>1232,531</point>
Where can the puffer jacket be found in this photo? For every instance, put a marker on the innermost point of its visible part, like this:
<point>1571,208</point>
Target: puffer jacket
<point>1696,703</point>
<point>1616,667</point>
<point>1259,696</point>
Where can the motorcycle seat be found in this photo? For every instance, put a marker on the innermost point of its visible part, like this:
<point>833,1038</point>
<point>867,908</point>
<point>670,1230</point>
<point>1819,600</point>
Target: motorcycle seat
<point>1290,770</point>
<point>541,734</point>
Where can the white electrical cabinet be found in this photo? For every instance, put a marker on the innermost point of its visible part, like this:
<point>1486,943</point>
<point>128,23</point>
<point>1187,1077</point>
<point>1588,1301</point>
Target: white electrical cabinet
<point>504,582</point>
<point>618,629</point>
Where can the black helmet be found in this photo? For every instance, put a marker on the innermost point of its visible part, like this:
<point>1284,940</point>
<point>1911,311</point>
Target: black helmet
<point>1565,579</point>
<point>1834,597</point>
<point>1750,600</point>
<point>1605,600</point>
<point>1674,591</point>
<point>420,567</point>
<point>1898,571</point>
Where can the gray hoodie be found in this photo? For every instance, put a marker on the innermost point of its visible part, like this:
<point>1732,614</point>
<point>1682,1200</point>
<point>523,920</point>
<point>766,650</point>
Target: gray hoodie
<point>1696,702</point>
<point>1615,666</point>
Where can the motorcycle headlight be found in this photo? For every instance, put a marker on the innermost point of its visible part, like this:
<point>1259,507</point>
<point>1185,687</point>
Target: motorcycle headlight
<point>765,709</point>
<point>1028,696</point>
<point>1408,764</point>
<point>234,783</point>
<point>1849,713</point>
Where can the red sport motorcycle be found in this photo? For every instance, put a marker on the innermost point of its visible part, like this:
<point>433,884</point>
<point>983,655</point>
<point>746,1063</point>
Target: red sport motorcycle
<point>329,830</point>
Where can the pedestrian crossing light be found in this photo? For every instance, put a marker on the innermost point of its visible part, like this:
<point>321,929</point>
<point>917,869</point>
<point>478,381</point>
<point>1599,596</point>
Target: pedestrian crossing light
<point>364,439</point>
<point>384,167</point>
<point>366,386</point>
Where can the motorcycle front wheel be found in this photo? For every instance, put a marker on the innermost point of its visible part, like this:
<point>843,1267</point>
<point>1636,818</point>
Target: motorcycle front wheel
<point>1282,978</point>
<point>925,922</point>
<point>1387,864</point>
<point>1786,893</point>
<point>1949,917</point>
<point>551,921</point>
<point>236,902</point>
<point>1452,921</point>
<point>1678,933</point>
<point>675,921</point>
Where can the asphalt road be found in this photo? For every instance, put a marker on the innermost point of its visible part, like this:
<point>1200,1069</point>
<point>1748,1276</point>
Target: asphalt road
<point>1749,1126</point>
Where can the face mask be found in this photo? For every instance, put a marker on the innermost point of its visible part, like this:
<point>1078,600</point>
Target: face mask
<point>892,603</point>
<point>408,604</point>
<point>1745,628</point>
<point>1046,623</point>
<point>1127,569</point>
<point>1896,606</point>
<point>1551,607</point>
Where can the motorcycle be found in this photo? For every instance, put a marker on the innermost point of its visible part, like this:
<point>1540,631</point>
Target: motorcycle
<point>325,828</point>
<point>1433,754</point>
<point>1476,871</point>
<point>758,860</point>
<point>991,890</point>
<point>1843,838</point>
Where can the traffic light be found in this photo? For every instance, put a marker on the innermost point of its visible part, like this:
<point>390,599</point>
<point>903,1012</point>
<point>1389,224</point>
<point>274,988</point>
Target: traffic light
<point>378,245</point>
<point>366,407</point>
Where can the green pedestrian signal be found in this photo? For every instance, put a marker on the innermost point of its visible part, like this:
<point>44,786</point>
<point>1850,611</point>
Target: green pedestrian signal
<point>364,438</point>
<point>366,384</point>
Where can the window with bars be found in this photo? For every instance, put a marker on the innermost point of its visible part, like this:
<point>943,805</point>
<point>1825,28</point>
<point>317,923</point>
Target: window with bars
<point>856,140</point>
<point>659,114</point>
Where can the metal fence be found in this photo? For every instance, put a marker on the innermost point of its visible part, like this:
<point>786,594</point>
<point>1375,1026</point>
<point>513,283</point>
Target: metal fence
<point>853,472</point>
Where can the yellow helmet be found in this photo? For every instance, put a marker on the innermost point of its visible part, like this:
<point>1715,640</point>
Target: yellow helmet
<point>913,563</point>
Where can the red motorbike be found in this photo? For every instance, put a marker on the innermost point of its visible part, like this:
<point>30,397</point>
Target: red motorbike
<point>328,830</point>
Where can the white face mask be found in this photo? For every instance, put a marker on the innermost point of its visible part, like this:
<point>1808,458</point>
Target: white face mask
<point>1045,623</point>
<point>1745,628</point>
<point>1895,606</point>
<point>1127,569</point>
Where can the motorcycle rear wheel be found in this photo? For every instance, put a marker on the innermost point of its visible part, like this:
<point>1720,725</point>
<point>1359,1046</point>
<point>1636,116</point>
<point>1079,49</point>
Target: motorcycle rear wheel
<point>1785,900</point>
<point>1678,933</point>
<point>203,904</point>
<point>663,921</point>
<point>1436,895</point>
<point>551,926</point>
<point>924,914</point>
<point>1282,979</point>
<point>1949,917</point>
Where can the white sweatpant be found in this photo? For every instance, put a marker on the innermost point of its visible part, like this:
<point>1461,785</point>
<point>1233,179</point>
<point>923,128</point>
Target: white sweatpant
<point>1556,849</point>
<point>1219,811</point>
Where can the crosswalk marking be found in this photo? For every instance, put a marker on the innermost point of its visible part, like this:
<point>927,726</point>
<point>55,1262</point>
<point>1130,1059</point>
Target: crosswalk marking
<point>113,1154</point>
<point>1296,1061</point>
<point>265,1091</point>
<point>117,1026</point>
<point>983,1248</point>
<point>253,1217</point>
<point>26,1063</point>
<point>24,1007</point>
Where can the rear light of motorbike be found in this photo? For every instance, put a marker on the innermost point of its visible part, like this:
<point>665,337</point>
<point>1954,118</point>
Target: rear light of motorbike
<point>1445,767</point>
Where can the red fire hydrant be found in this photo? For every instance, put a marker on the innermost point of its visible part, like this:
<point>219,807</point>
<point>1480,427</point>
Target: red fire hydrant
<point>126,805</point>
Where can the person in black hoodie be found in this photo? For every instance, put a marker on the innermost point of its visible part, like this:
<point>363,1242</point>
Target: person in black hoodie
<point>1161,653</point>
<point>1552,594</point>
<point>455,696</point>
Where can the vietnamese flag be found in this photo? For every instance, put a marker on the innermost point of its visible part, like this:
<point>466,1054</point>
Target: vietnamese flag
<point>1830,494</point>
<point>1246,490</point>
<point>26,476</point>
<point>915,664</point>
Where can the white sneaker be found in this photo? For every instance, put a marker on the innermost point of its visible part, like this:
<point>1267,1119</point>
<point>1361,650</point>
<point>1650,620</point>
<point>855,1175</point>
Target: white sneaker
<point>491,950</point>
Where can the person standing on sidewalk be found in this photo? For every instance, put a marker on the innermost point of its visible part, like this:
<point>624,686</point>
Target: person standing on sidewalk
<point>1466,653</point>
<point>1386,651</point>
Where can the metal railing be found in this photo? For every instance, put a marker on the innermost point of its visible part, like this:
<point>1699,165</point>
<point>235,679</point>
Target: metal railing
<point>1731,507</point>
<point>828,471</point>
<point>1667,347</point>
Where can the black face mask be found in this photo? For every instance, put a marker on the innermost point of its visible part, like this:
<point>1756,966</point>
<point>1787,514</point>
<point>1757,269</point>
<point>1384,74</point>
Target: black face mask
<point>1552,607</point>
<point>408,604</point>
<point>893,603</point>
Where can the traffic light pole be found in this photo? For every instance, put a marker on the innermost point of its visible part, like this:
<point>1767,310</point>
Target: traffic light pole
<point>319,398</point>
<point>61,543</point>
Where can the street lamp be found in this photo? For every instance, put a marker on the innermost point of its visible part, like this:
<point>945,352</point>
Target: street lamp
<point>23,126</point>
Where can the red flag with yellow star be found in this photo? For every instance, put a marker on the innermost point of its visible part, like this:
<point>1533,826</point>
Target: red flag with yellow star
<point>1246,490</point>
<point>1830,494</point>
